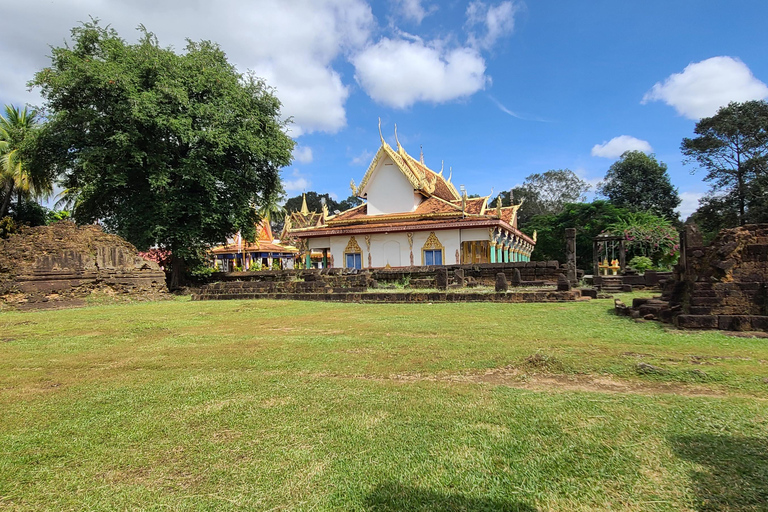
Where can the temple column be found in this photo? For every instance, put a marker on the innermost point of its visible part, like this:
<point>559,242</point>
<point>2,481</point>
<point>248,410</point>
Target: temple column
<point>493,251</point>
<point>325,258</point>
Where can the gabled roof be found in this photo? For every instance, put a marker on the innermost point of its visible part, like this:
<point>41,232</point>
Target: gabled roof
<point>421,177</point>
<point>265,242</point>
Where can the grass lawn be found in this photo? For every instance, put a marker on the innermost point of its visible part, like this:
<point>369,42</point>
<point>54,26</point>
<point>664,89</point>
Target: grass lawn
<point>264,405</point>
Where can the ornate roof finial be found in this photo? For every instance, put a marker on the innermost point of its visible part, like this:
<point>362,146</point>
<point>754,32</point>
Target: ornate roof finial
<point>450,173</point>
<point>304,209</point>
<point>380,135</point>
<point>399,147</point>
<point>442,165</point>
<point>421,158</point>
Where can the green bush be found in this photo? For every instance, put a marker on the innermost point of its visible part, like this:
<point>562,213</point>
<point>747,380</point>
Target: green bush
<point>641,263</point>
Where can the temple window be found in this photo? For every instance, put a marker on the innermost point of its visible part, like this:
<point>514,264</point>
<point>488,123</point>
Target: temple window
<point>433,257</point>
<point>353,255</point>
<point>432,252</point>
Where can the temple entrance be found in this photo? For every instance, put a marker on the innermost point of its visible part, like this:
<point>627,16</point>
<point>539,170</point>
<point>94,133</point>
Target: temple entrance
<point>478,251</point>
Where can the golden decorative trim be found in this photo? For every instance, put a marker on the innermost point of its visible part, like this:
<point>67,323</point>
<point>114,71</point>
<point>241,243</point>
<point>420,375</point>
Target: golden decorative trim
<point>432,243</point>
<point>368,247</point>
<point>352,246</point>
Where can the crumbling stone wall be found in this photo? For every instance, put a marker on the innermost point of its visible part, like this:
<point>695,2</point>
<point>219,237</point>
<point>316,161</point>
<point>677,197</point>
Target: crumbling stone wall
<point>62,262</point>
<point>720,286</point>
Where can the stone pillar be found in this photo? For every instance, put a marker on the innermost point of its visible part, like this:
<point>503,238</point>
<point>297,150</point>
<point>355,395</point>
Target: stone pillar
<point>441,278</point>
<point>501,282</point>
<point>595,258</point>
<point>570,255</point>
<point>517,279</point>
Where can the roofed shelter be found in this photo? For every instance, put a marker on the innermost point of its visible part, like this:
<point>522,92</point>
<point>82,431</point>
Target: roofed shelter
<point>264,252</point>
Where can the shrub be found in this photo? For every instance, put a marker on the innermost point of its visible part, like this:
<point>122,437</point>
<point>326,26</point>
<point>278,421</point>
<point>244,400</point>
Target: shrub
<point>641,263</point>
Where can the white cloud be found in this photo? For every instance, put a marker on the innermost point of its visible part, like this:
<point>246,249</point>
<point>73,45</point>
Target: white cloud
<point>398,73</point>
<point>616,147</point>
<point>705,86</point>
<point>413,10</point>
<point>302,154</point>
<point>296,183</point>
<point>591,180</point>
<point>689,204</point>
<point>495,22</point>
<point>291,44</point>
<point>363,158</point>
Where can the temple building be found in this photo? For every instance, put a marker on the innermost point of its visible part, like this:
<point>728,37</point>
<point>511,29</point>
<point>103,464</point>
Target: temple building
<point>264,253</point>
<point>412,216</point>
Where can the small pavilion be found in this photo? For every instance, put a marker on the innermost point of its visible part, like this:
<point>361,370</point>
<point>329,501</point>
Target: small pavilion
<point>265,251</point>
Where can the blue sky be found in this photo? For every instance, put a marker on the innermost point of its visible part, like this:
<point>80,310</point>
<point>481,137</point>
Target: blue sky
<point>496,89</point>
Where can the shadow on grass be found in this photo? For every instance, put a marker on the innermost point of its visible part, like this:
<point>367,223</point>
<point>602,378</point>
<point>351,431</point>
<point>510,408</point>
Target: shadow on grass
<point>735,473</point>
<point>390,497</point>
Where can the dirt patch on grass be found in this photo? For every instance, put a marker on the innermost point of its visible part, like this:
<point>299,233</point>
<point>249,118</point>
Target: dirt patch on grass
<point>592,383</point>
<point>520,379</point>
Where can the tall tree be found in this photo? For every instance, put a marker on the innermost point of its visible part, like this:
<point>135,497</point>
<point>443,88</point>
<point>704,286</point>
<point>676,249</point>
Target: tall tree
<point>589,219</point>
<point>546,193</point>
<point>638,182</point>
<point>17,129</point>
<point>171,150</point>
<point>732,147</point>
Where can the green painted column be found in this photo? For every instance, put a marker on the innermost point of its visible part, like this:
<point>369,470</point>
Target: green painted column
<point>506,253</point>
<point>325,258</point>
<point>308,260</point>
<point>493,252</point>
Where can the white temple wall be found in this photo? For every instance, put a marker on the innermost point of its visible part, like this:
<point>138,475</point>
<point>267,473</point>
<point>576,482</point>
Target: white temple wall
<point>391,247</point>
<point>388,191</point>
<point>474,235</point>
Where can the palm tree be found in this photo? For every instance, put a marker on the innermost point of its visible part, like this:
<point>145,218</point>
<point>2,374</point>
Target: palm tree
<point>271,209</point>
<point>16,126</point>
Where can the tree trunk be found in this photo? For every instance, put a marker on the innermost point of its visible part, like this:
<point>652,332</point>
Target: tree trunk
<point>6,199</point>
<point>741,193</point>
<point>175,280</point>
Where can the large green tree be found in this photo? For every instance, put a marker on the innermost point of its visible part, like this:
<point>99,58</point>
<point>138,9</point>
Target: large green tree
<point>638,182</point>
<point>589,219</point>
<point>546,193</point>
<point>177,151</point>
<point>17,178</point>
<point>732,147</point>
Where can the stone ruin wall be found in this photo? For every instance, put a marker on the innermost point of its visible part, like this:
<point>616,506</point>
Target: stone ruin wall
<point>483,273</point>
<point>61,263</point>
<point>720,286</point>
<point>724,285</point>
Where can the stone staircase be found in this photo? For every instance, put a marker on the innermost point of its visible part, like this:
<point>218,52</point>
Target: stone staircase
<point>611,284</point>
